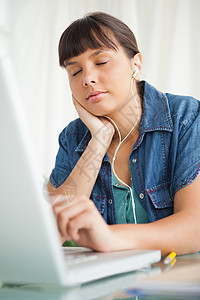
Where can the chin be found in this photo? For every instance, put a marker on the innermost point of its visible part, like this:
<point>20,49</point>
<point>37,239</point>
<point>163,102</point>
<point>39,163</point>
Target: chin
<point>101,111</point>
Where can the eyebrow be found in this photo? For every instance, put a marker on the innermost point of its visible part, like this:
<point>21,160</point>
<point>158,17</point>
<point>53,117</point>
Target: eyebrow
<point>70,63</point>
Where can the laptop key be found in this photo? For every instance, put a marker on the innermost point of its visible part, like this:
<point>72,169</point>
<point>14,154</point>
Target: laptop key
<point>78,258</point>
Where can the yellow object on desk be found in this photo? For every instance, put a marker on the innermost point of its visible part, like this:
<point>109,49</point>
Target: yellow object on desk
<point>169,258</point>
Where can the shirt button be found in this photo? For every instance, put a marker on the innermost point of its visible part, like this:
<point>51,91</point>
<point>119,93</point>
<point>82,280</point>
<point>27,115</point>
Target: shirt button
<point>110,201</point>
<point>134,160</point>
<point>141,195</point>
<point>116,184</point>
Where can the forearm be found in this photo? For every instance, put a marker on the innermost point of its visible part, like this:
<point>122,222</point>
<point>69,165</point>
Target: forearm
<point>86,170</point>
<point>84,174</point>
<point>179,232</point>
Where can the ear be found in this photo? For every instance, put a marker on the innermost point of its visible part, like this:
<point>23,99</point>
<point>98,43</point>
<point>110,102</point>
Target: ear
<point>137,61</point>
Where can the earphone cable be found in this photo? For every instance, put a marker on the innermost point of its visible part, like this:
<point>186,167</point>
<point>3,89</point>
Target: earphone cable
<point>120,142</point>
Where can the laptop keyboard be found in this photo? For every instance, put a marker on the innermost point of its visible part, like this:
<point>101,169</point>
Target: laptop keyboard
<point>77,257</point>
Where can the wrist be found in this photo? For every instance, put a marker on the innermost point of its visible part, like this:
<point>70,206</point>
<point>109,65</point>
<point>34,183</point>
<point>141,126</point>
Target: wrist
<point>120,237</point>
<point>104,134</point>
<point>99,144</point>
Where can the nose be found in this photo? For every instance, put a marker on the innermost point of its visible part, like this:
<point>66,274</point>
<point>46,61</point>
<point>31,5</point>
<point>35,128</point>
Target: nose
<point>89,78</point>
<point>87,83</point>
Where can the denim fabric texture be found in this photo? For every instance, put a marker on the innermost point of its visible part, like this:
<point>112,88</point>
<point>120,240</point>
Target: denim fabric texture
<point>164,159</point>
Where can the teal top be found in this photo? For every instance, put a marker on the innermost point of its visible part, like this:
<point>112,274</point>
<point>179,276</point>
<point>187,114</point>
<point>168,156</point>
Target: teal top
<point>123,204</point>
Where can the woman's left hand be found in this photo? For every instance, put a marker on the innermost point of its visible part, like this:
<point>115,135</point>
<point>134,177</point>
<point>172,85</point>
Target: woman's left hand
<point>81,222</point>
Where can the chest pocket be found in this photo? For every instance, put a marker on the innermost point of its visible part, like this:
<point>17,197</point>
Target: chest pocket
<point>99,201</point>
<point>161,200</point>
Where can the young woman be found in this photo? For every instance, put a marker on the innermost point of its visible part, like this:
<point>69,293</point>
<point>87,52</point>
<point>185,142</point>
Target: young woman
<point>126,172</point>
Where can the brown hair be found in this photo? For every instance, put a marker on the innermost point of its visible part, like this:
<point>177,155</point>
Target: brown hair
<point>94,31</point>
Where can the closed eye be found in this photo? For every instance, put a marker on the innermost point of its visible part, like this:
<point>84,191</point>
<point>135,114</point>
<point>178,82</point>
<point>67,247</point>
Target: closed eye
<point>103,63</point>
<point>76,73</point>
<point>98,64</point>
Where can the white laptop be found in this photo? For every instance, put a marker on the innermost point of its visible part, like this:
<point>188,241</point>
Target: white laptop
<point>30,250</point>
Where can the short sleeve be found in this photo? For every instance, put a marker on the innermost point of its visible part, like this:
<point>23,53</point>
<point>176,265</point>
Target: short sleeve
<point>62,166</point>
<point>187,165</point>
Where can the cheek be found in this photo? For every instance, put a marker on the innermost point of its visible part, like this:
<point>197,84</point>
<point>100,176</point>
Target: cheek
<point>121,82</point>
<point>76,90</point>
<point>72,87</point>
<point>121,75</point>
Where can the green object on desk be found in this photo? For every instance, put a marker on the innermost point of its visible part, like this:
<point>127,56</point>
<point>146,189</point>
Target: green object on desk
<point>69,244</point>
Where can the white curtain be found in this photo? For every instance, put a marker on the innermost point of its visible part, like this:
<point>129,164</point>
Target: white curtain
<point>168,36</point>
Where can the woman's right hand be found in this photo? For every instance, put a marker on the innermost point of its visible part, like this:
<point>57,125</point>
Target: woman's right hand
<point>100,127</point>
<point>85,172</point>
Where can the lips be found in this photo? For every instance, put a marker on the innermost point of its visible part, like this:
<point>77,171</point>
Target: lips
<point>96,95</point>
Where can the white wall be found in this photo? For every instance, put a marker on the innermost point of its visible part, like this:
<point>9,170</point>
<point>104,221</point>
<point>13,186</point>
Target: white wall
<point>168,36</point>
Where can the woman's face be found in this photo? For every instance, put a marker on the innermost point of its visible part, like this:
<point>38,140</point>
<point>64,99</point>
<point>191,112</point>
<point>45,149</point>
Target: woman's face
<point>100,79</point>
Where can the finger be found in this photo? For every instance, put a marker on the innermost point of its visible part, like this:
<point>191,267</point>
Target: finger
<point>61,214</point>
<point>84,220</point>
<point>56,210</point>
<point>89,230</point>
<point>63,239</point>
<point>76,103</point>
<point>58,204</point>
<point>82,111</point>
<point>61,220</point>
<point>71,212</point>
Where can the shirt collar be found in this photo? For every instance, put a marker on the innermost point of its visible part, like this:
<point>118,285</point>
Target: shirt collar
<point>156,113</point>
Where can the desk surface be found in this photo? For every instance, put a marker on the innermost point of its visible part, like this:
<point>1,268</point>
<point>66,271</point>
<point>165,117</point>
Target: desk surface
<point>160,282</point>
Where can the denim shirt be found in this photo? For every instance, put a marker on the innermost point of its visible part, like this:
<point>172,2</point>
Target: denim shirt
<point>164,159</point>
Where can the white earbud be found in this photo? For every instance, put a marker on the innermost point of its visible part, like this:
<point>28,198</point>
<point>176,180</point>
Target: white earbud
<point>136,71</point>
